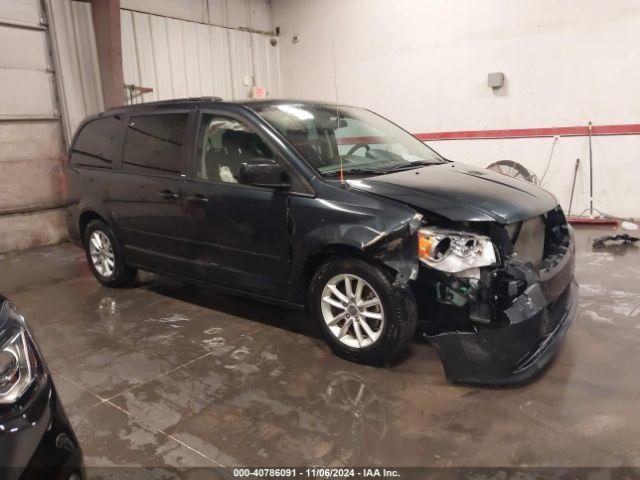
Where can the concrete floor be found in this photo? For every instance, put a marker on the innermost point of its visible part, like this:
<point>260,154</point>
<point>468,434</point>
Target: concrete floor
<point>168,375</point>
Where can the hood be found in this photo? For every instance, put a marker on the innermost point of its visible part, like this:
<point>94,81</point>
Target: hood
<point>462,193</point>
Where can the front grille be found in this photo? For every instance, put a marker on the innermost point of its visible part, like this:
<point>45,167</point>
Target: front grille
<point>555,313</point>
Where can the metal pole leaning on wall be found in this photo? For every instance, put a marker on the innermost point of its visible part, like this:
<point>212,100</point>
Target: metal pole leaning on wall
<point>592,218</point>
<point>590,172</point>
<point>573,185</point>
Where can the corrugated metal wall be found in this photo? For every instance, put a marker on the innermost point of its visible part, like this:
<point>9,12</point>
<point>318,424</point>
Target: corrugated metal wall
<point>30,133</point>
<point>181,58</point>
<point>255,14</point>
<point>178,48</point>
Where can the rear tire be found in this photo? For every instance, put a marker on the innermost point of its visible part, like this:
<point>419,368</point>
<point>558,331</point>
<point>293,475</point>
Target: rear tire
<point>104,256</point>
<point>362,316</point>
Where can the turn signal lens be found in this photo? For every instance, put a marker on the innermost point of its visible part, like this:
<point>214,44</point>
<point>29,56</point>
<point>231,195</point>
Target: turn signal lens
<point>433,247</point>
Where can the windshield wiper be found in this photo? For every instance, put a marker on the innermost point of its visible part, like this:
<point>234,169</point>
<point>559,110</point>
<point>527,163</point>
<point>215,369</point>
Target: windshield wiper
<point>363,171</point>
<point>381,171</point>
<point>410,166</point>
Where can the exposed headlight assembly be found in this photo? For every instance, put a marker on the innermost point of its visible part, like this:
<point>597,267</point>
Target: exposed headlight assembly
<point>453,251</point>
<point>17,355</point>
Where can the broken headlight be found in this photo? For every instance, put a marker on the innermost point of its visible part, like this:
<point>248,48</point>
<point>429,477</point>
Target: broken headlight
<point>17,355</point>
<point>453,251</point>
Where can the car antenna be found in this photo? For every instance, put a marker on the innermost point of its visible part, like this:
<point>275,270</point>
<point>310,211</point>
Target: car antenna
<point>335,88</point>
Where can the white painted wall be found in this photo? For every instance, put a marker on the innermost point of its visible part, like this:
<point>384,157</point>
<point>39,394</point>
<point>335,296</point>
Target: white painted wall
<point>423,64</point>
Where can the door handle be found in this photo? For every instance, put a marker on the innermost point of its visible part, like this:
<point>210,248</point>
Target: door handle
<point>168,195</point>
<point>197,198</point>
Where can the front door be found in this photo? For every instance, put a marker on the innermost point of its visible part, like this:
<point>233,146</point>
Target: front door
<point>238,232</point>
<point>147,196</point>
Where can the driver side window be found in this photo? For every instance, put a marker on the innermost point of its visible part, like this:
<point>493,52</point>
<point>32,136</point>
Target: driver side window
<point>224,144</point>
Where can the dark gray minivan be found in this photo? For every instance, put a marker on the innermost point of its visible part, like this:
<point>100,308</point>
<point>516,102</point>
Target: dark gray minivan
<point>334,209</point>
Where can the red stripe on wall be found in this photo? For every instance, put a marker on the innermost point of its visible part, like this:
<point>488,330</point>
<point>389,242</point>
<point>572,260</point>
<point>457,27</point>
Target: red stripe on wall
<point>363,140</point>
<point>628,129</point>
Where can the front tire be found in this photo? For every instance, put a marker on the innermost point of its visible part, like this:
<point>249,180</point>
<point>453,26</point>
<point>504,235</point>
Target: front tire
<point>362,316</point>
<point>105,256</point>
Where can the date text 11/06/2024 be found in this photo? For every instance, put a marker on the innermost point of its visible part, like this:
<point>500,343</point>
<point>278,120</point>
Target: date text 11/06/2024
<point>314,472</point>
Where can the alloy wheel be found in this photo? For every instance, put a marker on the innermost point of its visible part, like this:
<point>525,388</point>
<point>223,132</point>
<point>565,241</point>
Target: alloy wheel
<point>101,252</point>
<point>352,310</point>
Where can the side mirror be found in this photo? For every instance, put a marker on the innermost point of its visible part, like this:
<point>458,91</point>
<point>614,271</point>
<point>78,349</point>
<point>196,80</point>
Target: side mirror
<point>264,172</point>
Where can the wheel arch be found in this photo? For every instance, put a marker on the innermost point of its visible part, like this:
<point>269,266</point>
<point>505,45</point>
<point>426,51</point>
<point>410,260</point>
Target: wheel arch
<point>398,303</point>
<point>323,254</point>
<point>85,218</point>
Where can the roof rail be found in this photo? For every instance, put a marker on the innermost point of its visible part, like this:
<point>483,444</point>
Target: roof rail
<point>170,101</point>
<point>190,99</point>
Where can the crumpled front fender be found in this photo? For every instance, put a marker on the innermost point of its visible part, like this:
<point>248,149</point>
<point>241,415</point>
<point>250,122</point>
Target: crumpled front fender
<point>382,230</point>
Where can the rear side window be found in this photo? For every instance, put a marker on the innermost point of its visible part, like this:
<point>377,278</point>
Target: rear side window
<point>153,145</point>
<point>98,143</point>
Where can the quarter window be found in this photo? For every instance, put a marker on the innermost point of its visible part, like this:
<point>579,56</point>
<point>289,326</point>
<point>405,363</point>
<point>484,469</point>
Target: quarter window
<point>153,145</point>
<point>97,144</point>
<point>224,144</point>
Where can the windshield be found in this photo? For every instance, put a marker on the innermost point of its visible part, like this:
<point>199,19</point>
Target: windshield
<point>366,143</point>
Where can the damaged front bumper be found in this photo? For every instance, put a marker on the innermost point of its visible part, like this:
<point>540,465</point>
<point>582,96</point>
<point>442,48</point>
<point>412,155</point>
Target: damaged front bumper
<point>508,354</point>
<point>523,343</point>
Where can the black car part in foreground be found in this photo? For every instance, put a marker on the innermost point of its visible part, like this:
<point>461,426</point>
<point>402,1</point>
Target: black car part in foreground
<point>36,438</point>
<point>624,239</point>
<point>332,208</point>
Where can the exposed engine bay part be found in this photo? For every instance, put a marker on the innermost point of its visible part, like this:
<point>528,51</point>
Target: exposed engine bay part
<point>528,240</point>
<point>609,240</point>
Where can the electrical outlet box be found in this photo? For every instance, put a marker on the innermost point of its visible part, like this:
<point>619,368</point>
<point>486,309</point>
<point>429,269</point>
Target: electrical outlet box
<point>495,79</point>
